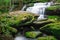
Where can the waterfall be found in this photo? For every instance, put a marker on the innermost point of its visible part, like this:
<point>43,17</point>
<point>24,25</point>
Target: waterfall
<point>39,9</point>
<point>23,7</point>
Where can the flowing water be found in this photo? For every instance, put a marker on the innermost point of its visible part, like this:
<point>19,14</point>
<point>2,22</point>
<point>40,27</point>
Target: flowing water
<point>23,38</point>
<point>39,8</point>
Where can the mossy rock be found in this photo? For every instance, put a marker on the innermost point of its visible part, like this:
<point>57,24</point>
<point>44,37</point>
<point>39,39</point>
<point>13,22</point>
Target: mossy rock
<point>46,38</point>
<point>32,34</point>
<point>22,17</point>
<point>9,22</point>
<point>53,28</point>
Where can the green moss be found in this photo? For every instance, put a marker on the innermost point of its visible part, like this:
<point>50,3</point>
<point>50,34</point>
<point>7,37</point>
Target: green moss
<point>55,7</point>
<point>54,17</point>
<point>47,38</point>
<point>58,1</point>
<point>53,28</point>
<point>8,22</point>
<point>32,34</point>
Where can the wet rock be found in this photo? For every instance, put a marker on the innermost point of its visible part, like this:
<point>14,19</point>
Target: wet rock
<point>32,34</point>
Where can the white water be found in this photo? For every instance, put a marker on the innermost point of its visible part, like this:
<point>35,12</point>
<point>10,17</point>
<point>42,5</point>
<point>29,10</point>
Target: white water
<point>20,38</point>
<point>39,9</point>
<point>23,8</point>
<point>23,38</point>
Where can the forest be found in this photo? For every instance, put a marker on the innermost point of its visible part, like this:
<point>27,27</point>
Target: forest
<point>18,22</point>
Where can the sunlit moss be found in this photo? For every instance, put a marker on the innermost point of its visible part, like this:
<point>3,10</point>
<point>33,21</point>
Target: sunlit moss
<point>8,21</point>
<point>47,38</point>
<point>53,28</point>
<point>55,7</point>
<point>32,34</point>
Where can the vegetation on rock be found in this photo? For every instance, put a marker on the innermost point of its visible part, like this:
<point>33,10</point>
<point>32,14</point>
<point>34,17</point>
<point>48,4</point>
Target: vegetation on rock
<point>32,34</point>
<point>54,7</point>
<point>17,19</point>
<point>53,28</point>
<point>47,38</point>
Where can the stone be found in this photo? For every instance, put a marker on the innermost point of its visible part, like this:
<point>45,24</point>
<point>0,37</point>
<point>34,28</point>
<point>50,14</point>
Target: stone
<point>32,34</point>
<point>47,38</point>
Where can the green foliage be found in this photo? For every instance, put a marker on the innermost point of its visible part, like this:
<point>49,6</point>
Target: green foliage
<point>5,25</point>
<point>47,38</point>
<point>4,5</point>
<point>53,28</point>
<point>31,1</point>
<point>58,1</point>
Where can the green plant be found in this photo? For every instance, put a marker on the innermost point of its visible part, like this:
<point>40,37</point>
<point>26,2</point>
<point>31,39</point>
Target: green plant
<point>4,5</point>
<point>5,25</point>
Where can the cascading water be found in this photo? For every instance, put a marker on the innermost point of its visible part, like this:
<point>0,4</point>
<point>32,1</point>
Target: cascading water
<point>39,8</point>
<point>23,7</point>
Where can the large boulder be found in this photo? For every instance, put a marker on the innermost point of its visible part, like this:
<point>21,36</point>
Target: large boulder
<point>33,34</point>
<point>53,28</point>
<point>22,17</point>
<point>9,22</point>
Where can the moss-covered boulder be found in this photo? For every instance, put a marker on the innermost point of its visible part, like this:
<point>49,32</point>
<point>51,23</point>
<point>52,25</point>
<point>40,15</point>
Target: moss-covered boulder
<point>53,28</point>
<point>21,17</point>
<point>46,38</point>
<point>32,34</point>
<point>9,22</point>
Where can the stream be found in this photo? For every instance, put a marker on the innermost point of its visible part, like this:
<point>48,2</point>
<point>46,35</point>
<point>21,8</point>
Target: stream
<point>38,8</point>
<point>23,38</point>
